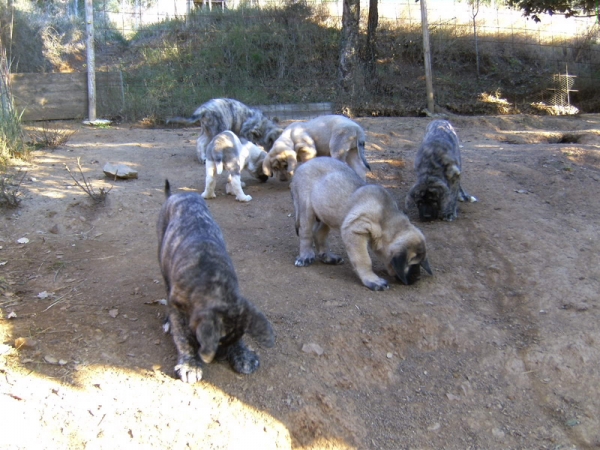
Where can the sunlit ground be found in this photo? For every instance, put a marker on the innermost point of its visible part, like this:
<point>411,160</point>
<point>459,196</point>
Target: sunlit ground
<point>108,408</point>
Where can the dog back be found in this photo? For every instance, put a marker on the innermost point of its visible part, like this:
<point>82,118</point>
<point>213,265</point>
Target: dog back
<point>328,185</point>
<point>220,114</point>
<point>440,151</point>
<point>191,245</point>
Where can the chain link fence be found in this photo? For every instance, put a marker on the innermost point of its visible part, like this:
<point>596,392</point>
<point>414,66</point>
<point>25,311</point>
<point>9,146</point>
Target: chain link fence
<point>176,54</point>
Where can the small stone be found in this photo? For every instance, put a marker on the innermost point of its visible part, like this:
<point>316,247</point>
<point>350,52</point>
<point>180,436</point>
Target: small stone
<point>313,348</point>
<point>119,171</point>
<point>389,355</point>
<point>436,426</point>
<point>50,359</point>
<point>572,423</point>
<point>62,362</point>
<point>25,342</point>
<point>113,313</point>
<point>23,240</point>
<point>498,433</point>
<point>54,229</point>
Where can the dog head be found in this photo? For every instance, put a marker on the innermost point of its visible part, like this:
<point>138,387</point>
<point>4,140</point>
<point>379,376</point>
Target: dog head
<point>406,252</point>
<point>256,167</point>
<point>428,195</point>
<point>216,327</point>
<point>261,131</point>
<point>272,132</point>
<point>281,163</point>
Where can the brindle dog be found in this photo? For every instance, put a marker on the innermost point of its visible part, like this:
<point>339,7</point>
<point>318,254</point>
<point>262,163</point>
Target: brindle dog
<point>221,114</point>
<point>438,166</point>
<point>207,315</point>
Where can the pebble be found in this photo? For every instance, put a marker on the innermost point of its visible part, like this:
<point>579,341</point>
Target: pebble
<point>436,426</point>
<point>25,342</point>
<point>113,313</point>
<point>313,348</point>
<point>50,359</point>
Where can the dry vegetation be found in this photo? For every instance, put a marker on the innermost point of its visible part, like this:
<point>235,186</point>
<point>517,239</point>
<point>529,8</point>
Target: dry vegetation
<point>289,54</point>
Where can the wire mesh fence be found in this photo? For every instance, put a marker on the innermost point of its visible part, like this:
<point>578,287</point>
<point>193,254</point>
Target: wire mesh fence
<point>175,54</point>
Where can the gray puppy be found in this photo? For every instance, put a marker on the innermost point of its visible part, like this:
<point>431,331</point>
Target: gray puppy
<point>438,166</point>
<point>227,151</point>
<point>207,315</point>
<point>328,194</point>
<point>221,114</point>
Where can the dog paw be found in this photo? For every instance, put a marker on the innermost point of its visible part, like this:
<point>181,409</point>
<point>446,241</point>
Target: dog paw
<point>245,362</point>
<point>303,262</point>
<point>189,372</point>
<point>449,217</point>
<point>378,285</point>
<point>245,198</point>
<point>208,194</point>
<point>330,258</point>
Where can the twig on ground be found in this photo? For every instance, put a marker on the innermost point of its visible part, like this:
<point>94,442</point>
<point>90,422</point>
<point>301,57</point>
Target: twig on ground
<point>97,197</point>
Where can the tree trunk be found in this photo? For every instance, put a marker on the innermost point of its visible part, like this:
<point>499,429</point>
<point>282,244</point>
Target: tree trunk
<point>349,49</point>
<point>371,52</point>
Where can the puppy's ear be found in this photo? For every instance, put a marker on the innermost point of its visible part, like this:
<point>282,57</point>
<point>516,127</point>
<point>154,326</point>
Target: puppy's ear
<point>208,328</point>
<point>399,264</point>
<point>425,265</point>
<point>267,168</point>
<point>272,137</point>
<point>291,162</point>
<point>258,326</point>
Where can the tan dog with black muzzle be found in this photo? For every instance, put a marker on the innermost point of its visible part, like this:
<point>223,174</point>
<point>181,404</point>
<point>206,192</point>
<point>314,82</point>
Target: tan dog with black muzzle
<point>329,194</point>
<point>332,135</point>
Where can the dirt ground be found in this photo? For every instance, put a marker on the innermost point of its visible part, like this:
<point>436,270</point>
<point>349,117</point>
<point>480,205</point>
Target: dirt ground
<point>500,348</point>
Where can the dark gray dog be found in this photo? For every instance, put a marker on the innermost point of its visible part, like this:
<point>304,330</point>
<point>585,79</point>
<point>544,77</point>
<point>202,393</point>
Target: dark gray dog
<point>222,114</point>
<point>207,315</point>
<point>438,167</point>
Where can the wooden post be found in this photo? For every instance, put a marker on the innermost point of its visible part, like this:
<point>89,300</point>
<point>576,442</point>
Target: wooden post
<point>427,53</point>
<point>91,60</point>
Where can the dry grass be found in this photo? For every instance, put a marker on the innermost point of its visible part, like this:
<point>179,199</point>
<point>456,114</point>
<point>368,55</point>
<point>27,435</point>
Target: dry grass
<point>50,136</point>
<point>86,186</point>
<point>10,190</point>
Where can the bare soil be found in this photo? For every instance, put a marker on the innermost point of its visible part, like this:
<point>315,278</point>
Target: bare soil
<point>500,348</point>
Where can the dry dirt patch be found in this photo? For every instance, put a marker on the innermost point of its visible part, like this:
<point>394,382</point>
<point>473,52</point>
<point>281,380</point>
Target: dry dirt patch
<point>499,349</point>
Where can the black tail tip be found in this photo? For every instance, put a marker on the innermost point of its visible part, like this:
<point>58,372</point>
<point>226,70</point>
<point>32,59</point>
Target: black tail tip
<point>167,188</point>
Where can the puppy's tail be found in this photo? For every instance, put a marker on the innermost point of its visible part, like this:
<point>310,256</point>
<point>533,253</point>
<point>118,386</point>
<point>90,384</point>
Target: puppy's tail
<point>167,188</point>
<point>183,120</point>
<point>361,152</point>
<point>219,166</point>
